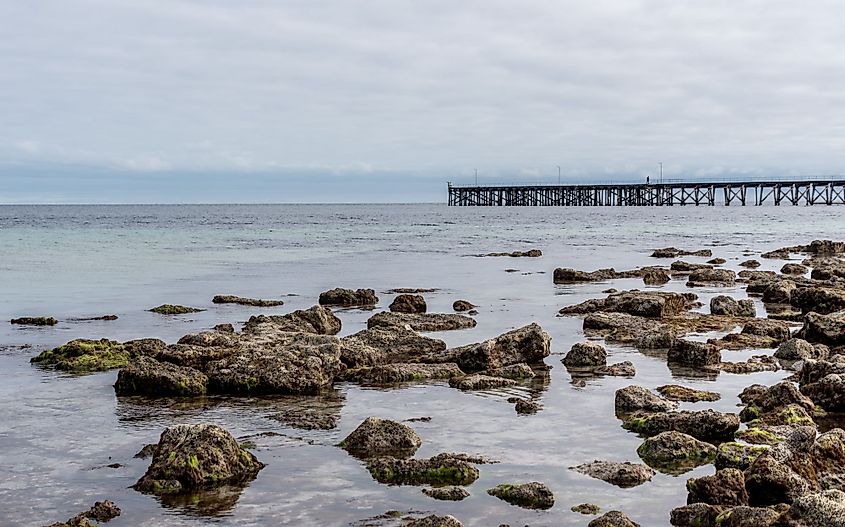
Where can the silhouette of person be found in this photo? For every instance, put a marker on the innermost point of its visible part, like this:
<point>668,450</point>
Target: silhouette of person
<point>647,180</point>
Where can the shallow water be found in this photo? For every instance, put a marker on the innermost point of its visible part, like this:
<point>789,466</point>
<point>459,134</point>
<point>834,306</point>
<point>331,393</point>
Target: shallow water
<point>58,433</point>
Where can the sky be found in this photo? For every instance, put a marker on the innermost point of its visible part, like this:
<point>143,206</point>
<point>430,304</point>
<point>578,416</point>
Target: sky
<point>341,101</point>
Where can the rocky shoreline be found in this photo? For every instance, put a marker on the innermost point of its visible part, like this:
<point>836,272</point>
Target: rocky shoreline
<point>774,465</point>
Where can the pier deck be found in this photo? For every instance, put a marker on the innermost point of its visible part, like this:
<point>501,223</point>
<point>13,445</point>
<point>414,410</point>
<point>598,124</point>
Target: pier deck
<point>803,192</point>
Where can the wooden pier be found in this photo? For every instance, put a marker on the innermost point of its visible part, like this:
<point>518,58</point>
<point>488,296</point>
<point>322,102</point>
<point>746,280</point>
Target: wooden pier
<point>804,192</point>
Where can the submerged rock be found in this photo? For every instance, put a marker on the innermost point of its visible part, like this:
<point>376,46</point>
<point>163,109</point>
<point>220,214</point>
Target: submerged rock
<point>83,355</point>
<point>526,407</point>
<point>379,437</point>
<point>174,309</point>
<point>673,252</point>
<point>448,493</point>
<point>232,299</point>
<point>442,469</point>
<point>147,376</point>
<point>625,475</point>
<point>674,392</point>
<point>531,253</point>
<point>422,321</point>
<point>348,298</point>
<point>408,304</point>
<point>585,355</point>
<point>703,424</point>
<point>35,321</point>
<point>534,495</point>
<point>675,453</point>
<point>586,508</point>
<point>479,382</point>
<point>101,512</point>
<point>197,456</point>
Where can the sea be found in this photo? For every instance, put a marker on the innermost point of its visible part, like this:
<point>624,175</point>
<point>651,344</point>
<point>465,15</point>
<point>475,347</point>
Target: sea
<point>67,441</point>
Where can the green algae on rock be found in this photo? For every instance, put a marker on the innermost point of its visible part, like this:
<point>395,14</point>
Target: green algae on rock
<point>173,309</point>
<point>82,355</point>
<point>442,469</point>
<point>674,452</point>
<point>35,321</point>
<point>534,495</point>
<point>147,376</point>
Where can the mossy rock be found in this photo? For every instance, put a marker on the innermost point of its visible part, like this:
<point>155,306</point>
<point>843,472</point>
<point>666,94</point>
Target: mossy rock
<point>534,495</point>
<point>440,470</point>
<point>173,309</point>
<point>82,355</point>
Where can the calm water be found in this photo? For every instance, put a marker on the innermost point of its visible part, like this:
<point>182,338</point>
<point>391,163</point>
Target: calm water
<point>58,433</point>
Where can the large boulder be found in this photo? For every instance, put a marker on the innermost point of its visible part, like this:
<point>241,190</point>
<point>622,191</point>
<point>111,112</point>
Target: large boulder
<point>82,355</point>
<point>348,298</point>
<point>744,516</point>
<point>824,329</point>
<point>407,303</point>
<point>726,487</point>
<point>190,457</point>
<point>638,399</point>
<point>828,392</point>
<point>147,376</point>
<point>774,291</point>
<point>780,395</point>
<point>706,425</point>
<point>625,475</point>
<point>381,437</point>
<point>823,300</point>
<point>822,509</point>
<point>421,321</point>
<point>694,353</point>
<point>534,495</point>
<point>675,452</point>
<point>528,344</point>
<point>769,482</point>
<point>816,370</point>
<point>725,305</point>
<point>586,355</point>
<point>798,349</point>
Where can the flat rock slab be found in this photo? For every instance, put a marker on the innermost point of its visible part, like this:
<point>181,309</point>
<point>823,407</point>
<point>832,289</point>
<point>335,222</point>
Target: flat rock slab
<point>422,321</point>
<point>625,475</point>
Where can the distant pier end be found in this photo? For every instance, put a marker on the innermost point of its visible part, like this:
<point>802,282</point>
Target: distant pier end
<point>787,192</point>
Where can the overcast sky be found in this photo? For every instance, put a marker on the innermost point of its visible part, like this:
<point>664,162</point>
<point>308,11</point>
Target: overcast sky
<point>259,100</point>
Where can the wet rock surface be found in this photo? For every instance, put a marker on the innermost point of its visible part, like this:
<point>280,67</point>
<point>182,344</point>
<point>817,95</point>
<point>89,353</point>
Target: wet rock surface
<point>534,495</point>
<point>348,297</point>
<point>675,453</point>
<point>625,475</point>
<point>586,355</point>
<point>440,470</point>
<point>422,321</point>
<point>147,376</point>
<point>528,344</point>
<point>379,437</point>
<point>462,306</point>
<point>83,355</point>
<point>174,309</point>
<point>674,392</point>
<point>448,493</point>
<point>407,303</point>
<point>705,425</point>
<point>255,302</point>
<point>477,381</point>
<point>613,519</point>
<point>652,304</point>
<point>638,399</point>
<point>34,321</point>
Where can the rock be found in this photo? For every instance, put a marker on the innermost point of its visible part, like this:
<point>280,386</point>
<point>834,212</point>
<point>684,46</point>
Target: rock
<point>318,320</point>
<point>744,516</point>
<point>824,300</point>
<point>828,392</point>
<point>773,329</point>
<point>534,495</point>
<point>775,397</point>
<point>654,276</point>
<point>815,370</point>
<point>35,321</point>
<point>636,398</point>
<point>797,349</point>
<point>449,493</point>
<point>779,254</point>
<point>462,305</point>
<point>711,277</point>
<point>421,321</point>
<point>672,252</point>
<point>726,487</point>
<point>586,508</point>
<point>528,344</point>
<point>146,451</point>
<point>737,455</point>
<point>381,437</point>
<point>682,267</point>
<point>348,298</point>
<point>704,424</point>
<point>307,419</point>
<point>232,299</point>
<point>103,511</point>
<point>435,521</point>
<point>208,339</point>
<point>660,339</point>
<point>695,515</point>
<point>652,304</point>
<point>763,434</point>
<point>402,372</point>
<point>173,309</point>
<point>526,407</point>
<point>378,346</point>
<point>586,355</point>
<point>769,482</point>
<point>531,253</point>
<point>83,355</point>
<point>693,353</point>
<point>754,364</point>
<point>440,470</point>
<point>750,264</point>
<point>822,509</point>
<point>793,268</point>
<point>197,456</point>
<point>717,261</point>
<point>147,376</point>
<point>788,415</point>
<point>224,328</point>
<point>571,276</point>
<point>620,369</point>
<point>775,292</point>
<point>824,329</point>
<point>408,304</point>
<point>613,519</point>
<point>725,305</point>
<point>675,453</point>
<point>477,381</point>
<point>625,475</point>
<point>674,392</point>
<point>280,363</point>
<point>514,371</point>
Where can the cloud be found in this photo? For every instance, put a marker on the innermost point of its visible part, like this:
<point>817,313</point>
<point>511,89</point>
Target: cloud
<point>436,89</point>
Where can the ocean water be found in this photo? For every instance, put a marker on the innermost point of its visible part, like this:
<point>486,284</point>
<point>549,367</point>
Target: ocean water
<point>59,433</point>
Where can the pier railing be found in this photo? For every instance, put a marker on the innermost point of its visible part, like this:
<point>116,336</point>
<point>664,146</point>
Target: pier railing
<point>792,191</point>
